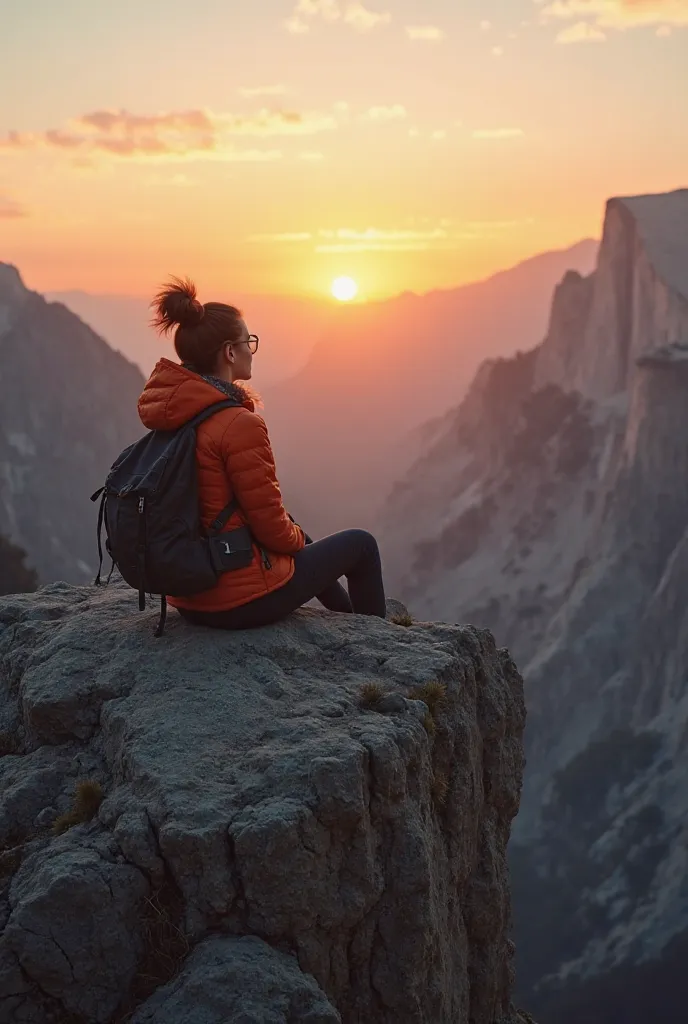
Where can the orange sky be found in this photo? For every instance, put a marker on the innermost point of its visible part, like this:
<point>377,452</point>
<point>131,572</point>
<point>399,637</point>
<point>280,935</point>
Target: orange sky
<point>271,147</point>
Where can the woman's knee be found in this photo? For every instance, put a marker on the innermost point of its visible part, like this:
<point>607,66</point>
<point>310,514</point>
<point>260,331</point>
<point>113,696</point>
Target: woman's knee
<point>366,542</point>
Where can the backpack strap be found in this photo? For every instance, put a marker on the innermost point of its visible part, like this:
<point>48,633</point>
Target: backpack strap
<point>99,528</point>
<point>210,410</point>
<point>225,515</point>
<point>163,616</point>
<point>228,511</point>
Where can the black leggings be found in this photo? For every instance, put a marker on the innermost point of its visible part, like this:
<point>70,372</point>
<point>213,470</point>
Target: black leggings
<point>317,569</point>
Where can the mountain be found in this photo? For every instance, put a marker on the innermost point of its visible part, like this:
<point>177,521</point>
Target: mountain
<point>68,408</point>
<point>552,506</point>
<point>345,426</point>
<point>288,328</point>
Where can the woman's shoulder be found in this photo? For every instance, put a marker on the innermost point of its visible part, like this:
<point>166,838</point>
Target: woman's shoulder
<point>236,427</point>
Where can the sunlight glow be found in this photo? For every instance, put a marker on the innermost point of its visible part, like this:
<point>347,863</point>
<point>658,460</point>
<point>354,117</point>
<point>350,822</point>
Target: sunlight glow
<point>344,288</point>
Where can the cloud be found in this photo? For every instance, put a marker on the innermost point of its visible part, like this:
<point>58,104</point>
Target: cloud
<point>581,32</point>
<point>360,18</point>
<point>425,33</point>
<point>377,240</point>
<point>618,14</point>
<point>11,210</point>
<point>262,90</point>
<point>438,236</point>
<point>349,12</point>
<point>497,51</point>
<point>485,25</point>
<point>296,26</point>
<point>177,135</point>
<point>393,113</point>
<point>284,236</point>
<point>498,133</point>
<point>311,155</point>
<point>439,133</point>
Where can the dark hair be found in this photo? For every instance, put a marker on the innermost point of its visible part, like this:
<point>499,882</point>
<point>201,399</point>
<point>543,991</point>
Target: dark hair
<point>201,331</point>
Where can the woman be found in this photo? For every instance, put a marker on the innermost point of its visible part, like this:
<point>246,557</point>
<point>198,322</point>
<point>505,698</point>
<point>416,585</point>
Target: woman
<point>235,460</point>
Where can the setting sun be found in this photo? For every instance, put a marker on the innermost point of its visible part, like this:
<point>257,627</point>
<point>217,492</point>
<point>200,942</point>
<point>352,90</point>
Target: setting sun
<point>344,288</point>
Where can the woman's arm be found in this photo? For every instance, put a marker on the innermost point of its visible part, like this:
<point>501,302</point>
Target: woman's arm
<point>250,466</point>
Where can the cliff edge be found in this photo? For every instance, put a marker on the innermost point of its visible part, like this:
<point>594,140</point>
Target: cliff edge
<point>305,823</point>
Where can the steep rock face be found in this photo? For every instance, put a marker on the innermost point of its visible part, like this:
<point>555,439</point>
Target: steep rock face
<point>68,408</point>
<point>637,301</point>
<point>288,831</point>
<point>492,525</point>
<point>575,555</point>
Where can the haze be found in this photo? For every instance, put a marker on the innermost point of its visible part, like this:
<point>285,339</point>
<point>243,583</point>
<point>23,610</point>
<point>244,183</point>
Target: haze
<point>274,146</point>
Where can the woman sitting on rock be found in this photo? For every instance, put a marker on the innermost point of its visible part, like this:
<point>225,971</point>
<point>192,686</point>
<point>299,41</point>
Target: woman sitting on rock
<point>235,460</point>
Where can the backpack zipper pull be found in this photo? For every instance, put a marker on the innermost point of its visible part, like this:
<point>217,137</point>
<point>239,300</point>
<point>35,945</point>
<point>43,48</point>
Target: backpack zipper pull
<point>142,502</point>
<point>266,561</point>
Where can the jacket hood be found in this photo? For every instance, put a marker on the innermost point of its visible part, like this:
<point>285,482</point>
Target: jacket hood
<point>173,395</point>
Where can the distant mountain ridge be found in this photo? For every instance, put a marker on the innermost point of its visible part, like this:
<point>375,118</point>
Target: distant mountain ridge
<point>68,407</point>
<point>288,328</point>
<point>552,507</point>
<point>344,427</point>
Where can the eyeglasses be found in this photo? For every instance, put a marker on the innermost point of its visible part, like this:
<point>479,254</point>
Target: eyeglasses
<point>251,341</point>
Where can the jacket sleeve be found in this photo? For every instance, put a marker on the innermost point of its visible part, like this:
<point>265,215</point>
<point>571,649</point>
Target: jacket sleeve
<point>250,466</point>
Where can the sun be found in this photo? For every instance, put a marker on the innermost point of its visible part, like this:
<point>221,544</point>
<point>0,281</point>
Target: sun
<point>344,288</point>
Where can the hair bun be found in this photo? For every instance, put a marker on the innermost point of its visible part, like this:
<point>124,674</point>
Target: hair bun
<point>176,305</point>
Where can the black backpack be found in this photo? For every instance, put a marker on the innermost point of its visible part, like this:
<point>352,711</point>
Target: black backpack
<point>150,508</point>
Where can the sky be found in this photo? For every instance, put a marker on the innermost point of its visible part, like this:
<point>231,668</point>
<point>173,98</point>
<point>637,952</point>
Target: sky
<point>272,146</point>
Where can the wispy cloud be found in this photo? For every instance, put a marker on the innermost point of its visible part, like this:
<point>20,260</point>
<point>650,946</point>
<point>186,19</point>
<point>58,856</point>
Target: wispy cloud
<point>425,33</point>
<point>11,210</point>
<point>581,32</point>
<point>312,156</point>
<point>485,25</point>
<point>284,236</point>
<point>177,135</point>
<point>379,240</point>
<point>497,51</point>
<point>618,14</point>
<point>396,112</point>
<point>250,91</point>
<point>498,133</point>
<point>442,235</point>
<point>349,12</point>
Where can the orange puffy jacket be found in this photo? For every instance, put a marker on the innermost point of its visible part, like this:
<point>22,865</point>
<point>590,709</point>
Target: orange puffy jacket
<point>234,458</point>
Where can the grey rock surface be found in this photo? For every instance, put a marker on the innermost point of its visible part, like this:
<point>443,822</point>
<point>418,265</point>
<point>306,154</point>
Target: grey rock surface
<point>260,827</point>
<point>243,980</point>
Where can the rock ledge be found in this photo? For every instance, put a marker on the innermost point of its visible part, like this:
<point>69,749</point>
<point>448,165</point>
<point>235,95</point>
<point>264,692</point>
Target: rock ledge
<point>267,849</point>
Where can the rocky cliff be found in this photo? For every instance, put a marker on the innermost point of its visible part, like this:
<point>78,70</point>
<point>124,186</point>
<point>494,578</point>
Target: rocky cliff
<point>553,510</point>
<point>305,824</point>
<point>68,408</point>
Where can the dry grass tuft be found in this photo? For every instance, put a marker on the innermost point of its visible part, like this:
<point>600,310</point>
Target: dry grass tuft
<point>166,945</point>
<point>10,861</point>
<point>431,693</point>
<point>402,620</point>
<point>88,796</point>
<point>370,695</point>
<point>439,788</point>
<point>429,724</point>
